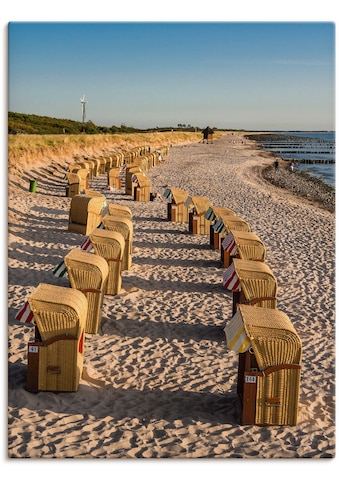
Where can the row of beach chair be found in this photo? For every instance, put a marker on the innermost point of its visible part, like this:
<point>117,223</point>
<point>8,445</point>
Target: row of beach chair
<point>63,315</point>
<point>269,348</point>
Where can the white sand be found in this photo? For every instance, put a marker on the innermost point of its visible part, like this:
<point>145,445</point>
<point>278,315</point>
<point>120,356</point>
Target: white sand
<point>159,381</point>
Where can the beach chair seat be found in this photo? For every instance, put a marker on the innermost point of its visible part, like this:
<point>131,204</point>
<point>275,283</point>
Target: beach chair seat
<point>55,357</point>
<point>251,282</point>
<point>269,366</point>
<point>176,209</point>
<point>111,246</point>
<point>125,228</point>
<point>88,273</point>
<point>86,213</point>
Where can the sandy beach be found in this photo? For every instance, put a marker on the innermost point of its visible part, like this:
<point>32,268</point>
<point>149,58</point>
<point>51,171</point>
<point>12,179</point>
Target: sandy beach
<point>158,380</point>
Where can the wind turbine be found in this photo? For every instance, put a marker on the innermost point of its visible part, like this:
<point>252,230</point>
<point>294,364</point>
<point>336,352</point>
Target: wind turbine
<point>83,102</point>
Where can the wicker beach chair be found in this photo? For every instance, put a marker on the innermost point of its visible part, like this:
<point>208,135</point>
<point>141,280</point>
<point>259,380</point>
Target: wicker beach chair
<point>118,210</point>
<point>125,228</point>
<point>197,207</point>
<point>88,273</point>
<point>243,245</point>
<point>251,282</point>
<point>95,166</point>
<point>55,358</point>
<point>92,168</point>
<point>86,213</point>
<point>176,209</point>
<point>111,246</point>
<point>212,214</point>
<point>84,179</point>
<point>142,192</point>
<point>117,159</point>
<point>113,178</point>
<point>73,187</point>
<point>85,165</point>
<point>74,167</point>
<point>269,366</point>
<point>129,186</point>
<point>223,226</point>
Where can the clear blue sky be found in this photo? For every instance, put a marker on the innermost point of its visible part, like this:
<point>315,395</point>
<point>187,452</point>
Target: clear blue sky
<point>254,76</point>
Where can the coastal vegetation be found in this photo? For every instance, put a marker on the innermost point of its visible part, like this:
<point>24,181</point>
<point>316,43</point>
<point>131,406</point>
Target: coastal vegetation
<point>20,123</point>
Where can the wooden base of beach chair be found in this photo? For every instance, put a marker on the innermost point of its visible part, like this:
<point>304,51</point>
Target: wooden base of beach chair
<point>215,239</point>
<point>269,398</point>
<point>177,212</point>
<point>55,364</point>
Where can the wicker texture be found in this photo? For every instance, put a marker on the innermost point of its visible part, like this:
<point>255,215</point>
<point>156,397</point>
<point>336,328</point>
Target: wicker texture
<point>257,281</point>
<point>85,213</point>
<point>273,337</point>
<point>215,212</point>
<point>120,211</point>
<point>250,246</point>
<point>125,228</point>
<point>111,246</point>
<point>58,310</point>
<point>199,204</point>
<point>232,223</point>
<point>60,315</point>
<point>88,273</point>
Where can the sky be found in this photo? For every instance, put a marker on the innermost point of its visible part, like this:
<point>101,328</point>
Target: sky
<point>249,75</point>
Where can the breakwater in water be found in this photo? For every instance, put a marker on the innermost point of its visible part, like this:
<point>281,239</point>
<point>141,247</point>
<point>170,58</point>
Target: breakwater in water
<point>311,152</point>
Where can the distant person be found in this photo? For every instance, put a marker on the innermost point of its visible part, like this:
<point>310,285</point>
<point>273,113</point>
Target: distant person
<point>276,164</point>
<point>207,134</point>
<point>291,167</point>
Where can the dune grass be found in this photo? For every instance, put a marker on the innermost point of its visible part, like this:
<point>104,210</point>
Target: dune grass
<point>33,149</point>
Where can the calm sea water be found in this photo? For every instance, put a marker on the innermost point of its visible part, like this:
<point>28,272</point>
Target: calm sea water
<point>325,171</point>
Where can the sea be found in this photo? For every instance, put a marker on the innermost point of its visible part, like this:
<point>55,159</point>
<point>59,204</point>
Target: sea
<point>313,152</point>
